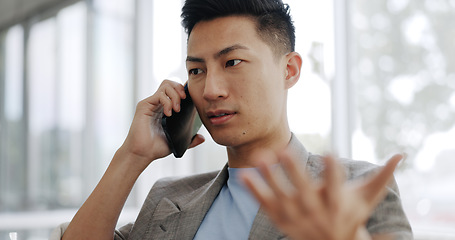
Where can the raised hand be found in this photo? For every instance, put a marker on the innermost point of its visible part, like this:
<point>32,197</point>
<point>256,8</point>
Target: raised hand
<point>329,209</point>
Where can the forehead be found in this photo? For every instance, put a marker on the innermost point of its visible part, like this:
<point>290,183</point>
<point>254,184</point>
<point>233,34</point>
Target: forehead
<point>213,35</point>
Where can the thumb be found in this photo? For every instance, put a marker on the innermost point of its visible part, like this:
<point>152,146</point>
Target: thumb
<point>197,140</point>
<point>374,189</point>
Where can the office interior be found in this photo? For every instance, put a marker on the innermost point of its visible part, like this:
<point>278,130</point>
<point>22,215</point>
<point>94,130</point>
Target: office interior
<point>378,78</point>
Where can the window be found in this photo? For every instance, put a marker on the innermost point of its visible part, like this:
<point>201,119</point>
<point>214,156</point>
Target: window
<point>62,121</point>
<point>12,174</point>
<point>403,79</point>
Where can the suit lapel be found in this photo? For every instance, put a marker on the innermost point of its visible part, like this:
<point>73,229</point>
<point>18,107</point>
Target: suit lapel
<point>181,217</point>
<point>263,229</point>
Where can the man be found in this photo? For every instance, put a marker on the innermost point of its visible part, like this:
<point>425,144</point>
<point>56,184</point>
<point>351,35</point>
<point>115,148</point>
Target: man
<point>241,63</point>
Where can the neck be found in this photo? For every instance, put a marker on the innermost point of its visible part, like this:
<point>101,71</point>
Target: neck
<point>243,156</point>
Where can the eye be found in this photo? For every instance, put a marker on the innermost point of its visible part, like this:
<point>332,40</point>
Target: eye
<point>195,71</point>
<point>233,62</point>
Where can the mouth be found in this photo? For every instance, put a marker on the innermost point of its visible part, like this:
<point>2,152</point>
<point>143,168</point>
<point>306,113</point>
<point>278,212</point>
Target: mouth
<point>220,116</point>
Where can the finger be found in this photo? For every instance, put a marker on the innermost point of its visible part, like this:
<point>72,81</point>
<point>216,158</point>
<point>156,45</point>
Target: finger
<point>173,91</point>
<point>177,86</point>
<point>280,211</point>
<point>334,177</point>
<point>374,189</point>
<point>305,191</point>
<point>299,178</point>
<point>258,188</point>
<point>271,191</point>
<point>198,139</point>
<point>362,233</point>
<point>176,93</point>
<point>166,102</point>
<point>175,98</point>
<point>270,177</point>
<point>180,90</point>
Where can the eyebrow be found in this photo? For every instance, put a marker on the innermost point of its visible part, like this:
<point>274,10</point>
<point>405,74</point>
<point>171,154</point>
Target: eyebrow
<point>218,54</point>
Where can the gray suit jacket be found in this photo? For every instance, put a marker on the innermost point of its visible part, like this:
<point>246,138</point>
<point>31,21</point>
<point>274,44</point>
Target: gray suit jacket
<point>175,208</point>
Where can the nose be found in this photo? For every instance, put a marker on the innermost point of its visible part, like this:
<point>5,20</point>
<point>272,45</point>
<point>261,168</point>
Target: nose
<point>215,86</point>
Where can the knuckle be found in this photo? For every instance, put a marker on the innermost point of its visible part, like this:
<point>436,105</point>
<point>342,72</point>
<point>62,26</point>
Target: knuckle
<point>141,104</point>
<point>166,82</point>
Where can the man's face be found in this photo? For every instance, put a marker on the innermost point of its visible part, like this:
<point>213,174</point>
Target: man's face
<point>236,82</point>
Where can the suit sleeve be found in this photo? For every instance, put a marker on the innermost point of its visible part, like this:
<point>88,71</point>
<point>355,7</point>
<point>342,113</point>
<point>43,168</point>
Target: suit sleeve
<point>389,216</point>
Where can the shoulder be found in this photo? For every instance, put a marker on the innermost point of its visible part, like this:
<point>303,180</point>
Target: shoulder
<point>315,165</point>
<point>353,168</point>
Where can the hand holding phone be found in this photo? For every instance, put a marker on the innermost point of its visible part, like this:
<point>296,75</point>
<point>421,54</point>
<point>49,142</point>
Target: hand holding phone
<point>181,127</point>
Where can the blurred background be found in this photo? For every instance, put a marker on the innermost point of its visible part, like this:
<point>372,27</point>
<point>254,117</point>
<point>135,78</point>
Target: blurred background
<point>378,78</point>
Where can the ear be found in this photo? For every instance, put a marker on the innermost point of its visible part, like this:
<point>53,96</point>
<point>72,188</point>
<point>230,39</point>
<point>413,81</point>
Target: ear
<point>294,64</point>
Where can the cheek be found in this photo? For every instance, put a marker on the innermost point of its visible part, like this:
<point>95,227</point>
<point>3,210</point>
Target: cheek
<point>196,96</point>
<point>195,88</point>
<point>255,102</point>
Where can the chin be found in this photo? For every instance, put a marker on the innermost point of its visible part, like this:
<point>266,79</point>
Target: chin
<point>228,139</point>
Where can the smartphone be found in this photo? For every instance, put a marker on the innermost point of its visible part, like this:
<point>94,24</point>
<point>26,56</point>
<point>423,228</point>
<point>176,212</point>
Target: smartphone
<point>181,127</point>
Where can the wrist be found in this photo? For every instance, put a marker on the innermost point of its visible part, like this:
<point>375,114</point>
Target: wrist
<point>132,165</point>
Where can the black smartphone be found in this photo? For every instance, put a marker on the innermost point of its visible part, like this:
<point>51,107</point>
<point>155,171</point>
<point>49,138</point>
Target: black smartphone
<point>181,127</point>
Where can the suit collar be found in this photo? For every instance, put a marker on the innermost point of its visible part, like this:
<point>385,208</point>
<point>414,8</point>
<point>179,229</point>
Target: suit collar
<point>297,150</point>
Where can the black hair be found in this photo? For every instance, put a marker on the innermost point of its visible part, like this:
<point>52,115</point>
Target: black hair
<point>273,19</point>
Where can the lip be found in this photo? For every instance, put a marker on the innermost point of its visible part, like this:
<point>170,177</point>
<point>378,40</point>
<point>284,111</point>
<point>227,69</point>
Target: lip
<point>219,117</point>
